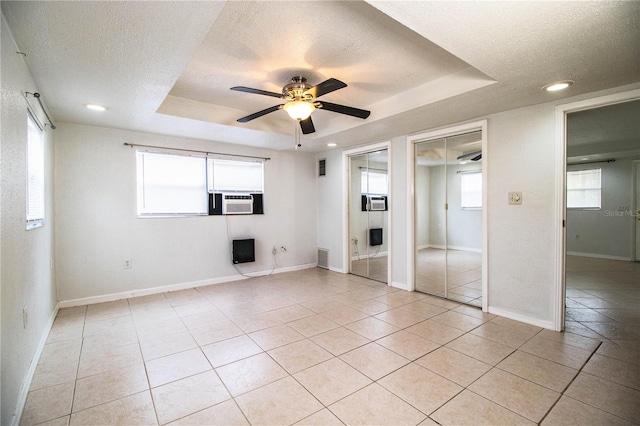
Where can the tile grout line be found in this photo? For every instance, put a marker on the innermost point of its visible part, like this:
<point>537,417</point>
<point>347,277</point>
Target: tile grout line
<point>570,383</point>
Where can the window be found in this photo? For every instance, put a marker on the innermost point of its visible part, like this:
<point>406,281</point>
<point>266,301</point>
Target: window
<point>235,176</point>
<point>35,174</point>
<point>374,182</point>
<point>177,185</point>
<point>471,190</point>
<point>171,185</point>
<point>584,189</point>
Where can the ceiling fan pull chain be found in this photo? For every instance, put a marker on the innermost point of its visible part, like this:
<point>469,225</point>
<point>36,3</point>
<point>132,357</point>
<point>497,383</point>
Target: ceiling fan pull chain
<point>297,135</point>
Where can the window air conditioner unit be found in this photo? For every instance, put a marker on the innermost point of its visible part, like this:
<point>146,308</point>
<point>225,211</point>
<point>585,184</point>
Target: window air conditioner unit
<point>377,203</point>
<point>237,204</point>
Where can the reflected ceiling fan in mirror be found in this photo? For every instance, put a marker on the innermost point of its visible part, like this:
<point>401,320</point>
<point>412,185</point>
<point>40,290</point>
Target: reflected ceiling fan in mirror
<point>475,156</point>
<point>302,101</point>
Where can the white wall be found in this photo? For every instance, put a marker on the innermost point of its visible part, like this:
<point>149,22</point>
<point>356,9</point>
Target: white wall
<point>97,227</point>
<point>604,232</point>
<point>522,146</point>
<point>330,208</point>
<point>26,278</point>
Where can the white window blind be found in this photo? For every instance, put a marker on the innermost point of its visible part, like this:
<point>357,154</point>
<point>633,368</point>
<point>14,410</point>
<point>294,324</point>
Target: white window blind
<point>235,176</point>
<point>35,174</point>
<point>584,189</point>
<point>471,190</point>
<point>171,185</point>
<point>374,182</point>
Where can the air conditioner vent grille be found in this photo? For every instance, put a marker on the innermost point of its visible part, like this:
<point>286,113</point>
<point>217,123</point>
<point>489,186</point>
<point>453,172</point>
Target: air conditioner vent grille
<point>323,258</point>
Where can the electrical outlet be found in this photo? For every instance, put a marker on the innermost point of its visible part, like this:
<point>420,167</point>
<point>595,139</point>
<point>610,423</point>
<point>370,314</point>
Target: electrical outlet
<point>274,250</point>
<point>25,316</point>
<point>127,264</point>
<point>577,236</point>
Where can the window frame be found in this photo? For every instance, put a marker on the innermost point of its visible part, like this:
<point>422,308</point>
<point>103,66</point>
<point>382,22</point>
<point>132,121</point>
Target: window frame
<point>584,189</point>
<point>35,174</point>
<point>207,183</point>
<point>140,186</point>
<point>463,192</point>
<point>364,177</point>
<point>212,184</point>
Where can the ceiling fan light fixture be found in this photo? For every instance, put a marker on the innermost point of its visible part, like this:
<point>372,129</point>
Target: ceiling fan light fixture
<point>299,110</point>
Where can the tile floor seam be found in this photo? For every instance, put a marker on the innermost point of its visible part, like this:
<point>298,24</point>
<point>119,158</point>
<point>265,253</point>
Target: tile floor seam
<point>570,383</point>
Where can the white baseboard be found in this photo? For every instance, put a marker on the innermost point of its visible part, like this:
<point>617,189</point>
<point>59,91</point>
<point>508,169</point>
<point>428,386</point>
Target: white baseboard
<point>598,256</point>
<point>459,248</point>
<point>175,287</point>
<point>339,270</point>
<point>370,255</point>
<point>26,384</point>
<point>522,318</point>
<point>401,286</point>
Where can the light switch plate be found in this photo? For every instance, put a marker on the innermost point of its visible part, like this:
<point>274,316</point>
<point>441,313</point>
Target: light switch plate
<point>515,198</point>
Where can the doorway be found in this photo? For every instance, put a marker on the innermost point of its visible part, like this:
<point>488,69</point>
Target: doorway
<point>369,215</point>
<point>598,259</point>
<point>448,232</point>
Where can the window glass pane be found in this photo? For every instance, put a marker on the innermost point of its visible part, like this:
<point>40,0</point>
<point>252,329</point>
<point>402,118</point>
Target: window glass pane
<point>35,174</point>
<point>471,190</point>
<point>374,182</point>
<point>171,184</point>
<point>584,189</point>
<point>236,176</point>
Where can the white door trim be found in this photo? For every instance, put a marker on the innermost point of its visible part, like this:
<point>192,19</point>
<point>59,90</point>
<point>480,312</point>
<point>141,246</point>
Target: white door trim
<point>411,204</point>
<point>561,171</point>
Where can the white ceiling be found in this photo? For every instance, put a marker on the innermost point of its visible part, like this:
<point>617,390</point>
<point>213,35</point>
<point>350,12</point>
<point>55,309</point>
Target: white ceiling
<point>167,67</point>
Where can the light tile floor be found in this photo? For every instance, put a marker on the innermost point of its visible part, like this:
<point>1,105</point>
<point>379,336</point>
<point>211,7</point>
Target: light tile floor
<point>319,348</point>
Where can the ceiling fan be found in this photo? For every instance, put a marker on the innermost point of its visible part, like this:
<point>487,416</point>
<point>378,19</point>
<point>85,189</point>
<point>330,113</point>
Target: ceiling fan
<point>302,101</point>
<point>476,155</point>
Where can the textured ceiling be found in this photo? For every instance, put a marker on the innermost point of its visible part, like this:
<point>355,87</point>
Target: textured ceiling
<point>166,67</point>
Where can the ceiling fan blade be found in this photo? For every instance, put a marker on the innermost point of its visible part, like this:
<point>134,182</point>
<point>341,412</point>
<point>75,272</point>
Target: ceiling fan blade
<point>259,114</point>
<point>257,91</point>
<point>342,109</point>
<point>476,158</point>
<point>325,87</point>
<point>307,126</point>
<point>470,154</point>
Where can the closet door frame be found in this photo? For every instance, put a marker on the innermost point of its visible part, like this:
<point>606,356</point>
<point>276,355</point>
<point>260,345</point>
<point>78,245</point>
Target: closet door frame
<point>412,140</point>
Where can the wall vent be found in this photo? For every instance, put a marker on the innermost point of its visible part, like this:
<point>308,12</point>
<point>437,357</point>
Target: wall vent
<point>322,167</point>
<point>323,258</point>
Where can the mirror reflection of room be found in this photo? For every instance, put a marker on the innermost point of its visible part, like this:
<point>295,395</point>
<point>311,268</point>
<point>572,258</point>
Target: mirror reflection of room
<point>368,215</point>
<point>448,253</point>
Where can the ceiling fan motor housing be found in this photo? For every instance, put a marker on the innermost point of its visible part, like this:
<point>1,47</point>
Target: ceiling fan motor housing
<point>296,90</point>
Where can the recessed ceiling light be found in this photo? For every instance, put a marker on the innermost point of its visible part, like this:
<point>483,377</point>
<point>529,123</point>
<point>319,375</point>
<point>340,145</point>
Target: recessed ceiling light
<point>558,85</point>
<point>96,107</point>
<point>331,144</point>
<point>463,162</point>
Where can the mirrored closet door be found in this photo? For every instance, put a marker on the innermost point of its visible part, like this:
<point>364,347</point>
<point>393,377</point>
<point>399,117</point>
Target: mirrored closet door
<point>448,228</point>
<point>368,215</point>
